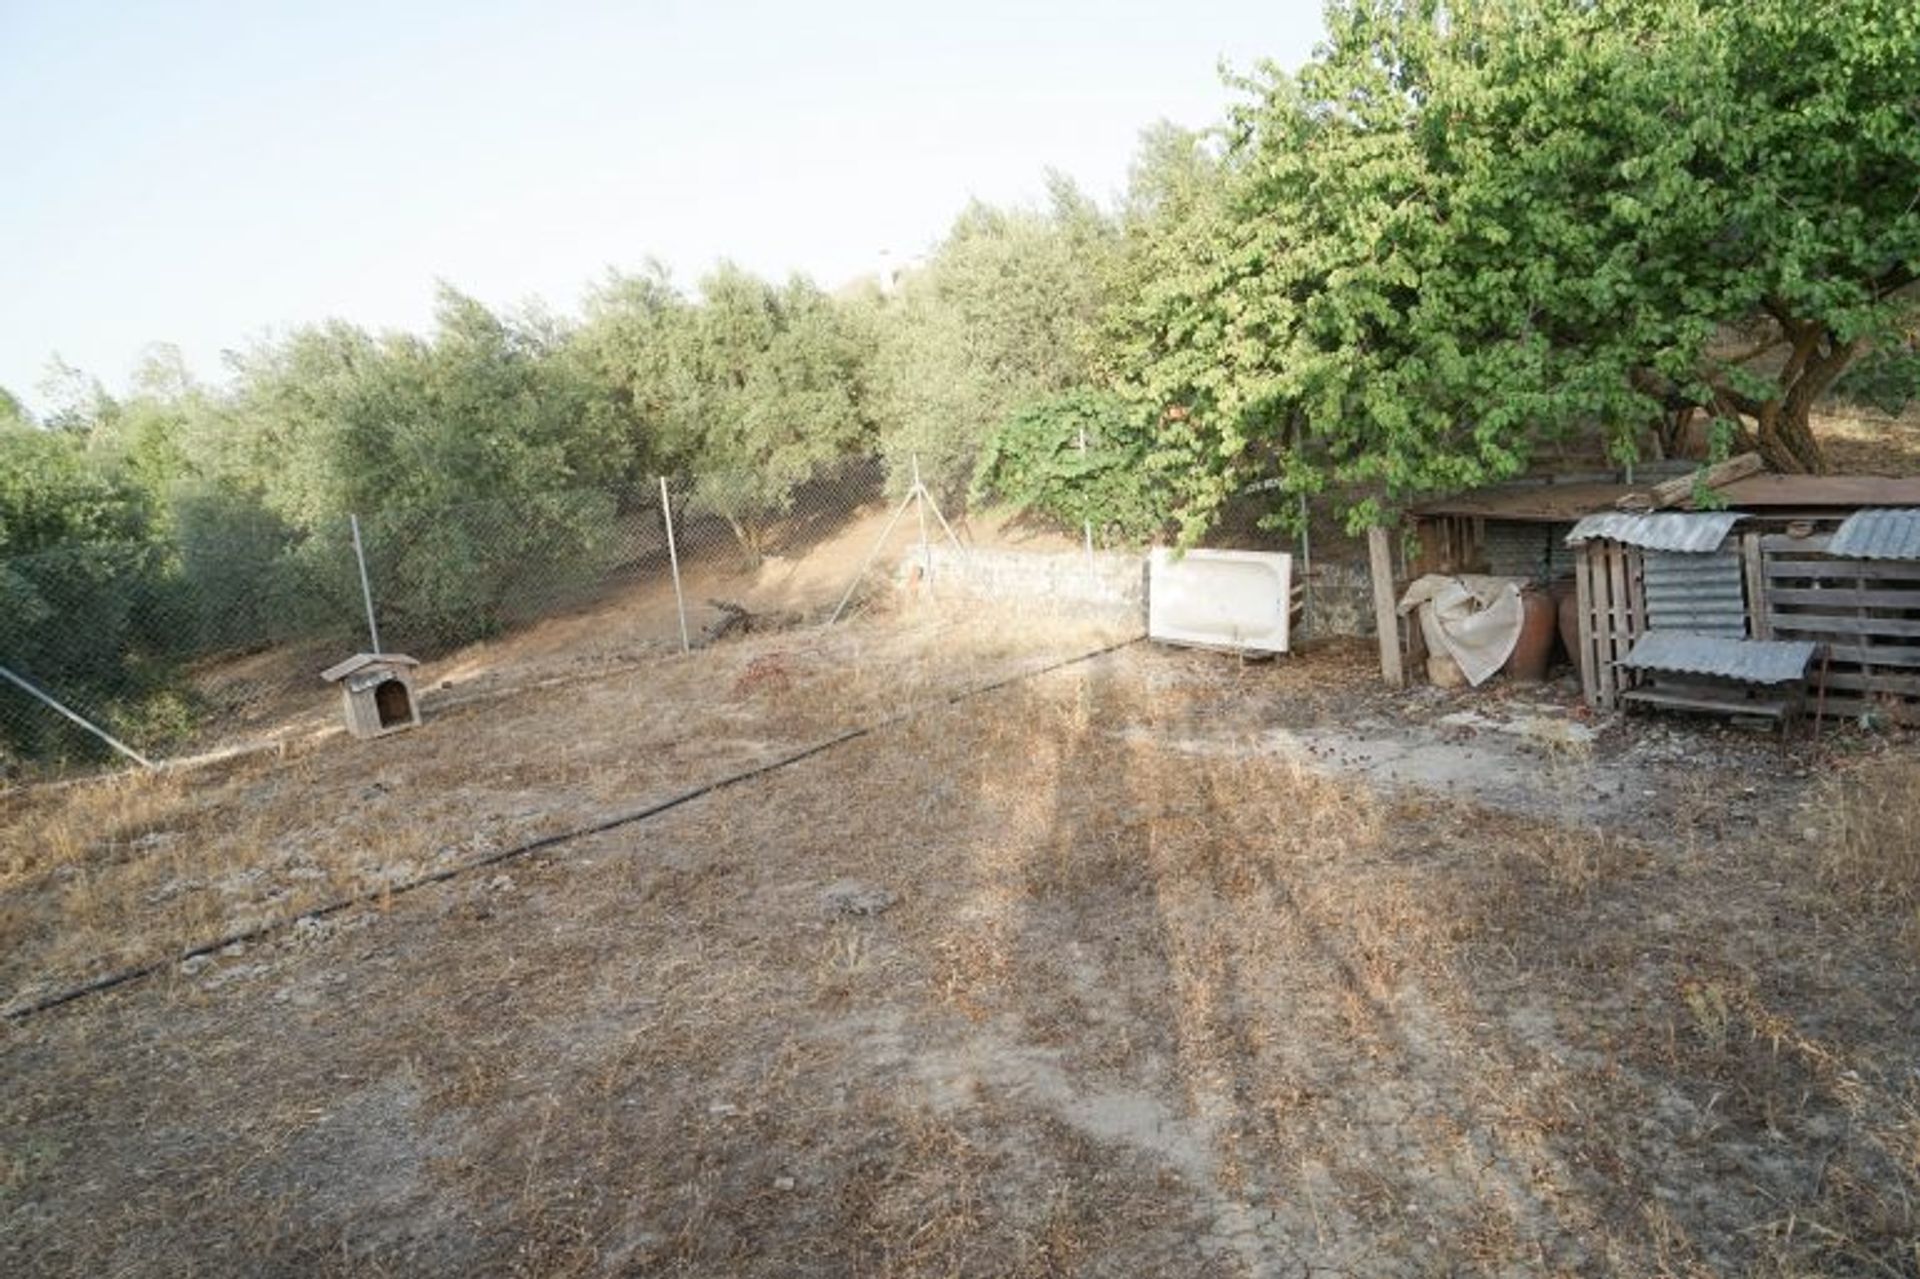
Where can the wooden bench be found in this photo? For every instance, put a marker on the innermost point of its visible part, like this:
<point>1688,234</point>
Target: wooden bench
<point>1720,675</point>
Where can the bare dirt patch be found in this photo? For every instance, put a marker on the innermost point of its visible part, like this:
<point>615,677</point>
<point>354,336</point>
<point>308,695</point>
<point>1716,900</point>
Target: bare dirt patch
<point>1130,993</point>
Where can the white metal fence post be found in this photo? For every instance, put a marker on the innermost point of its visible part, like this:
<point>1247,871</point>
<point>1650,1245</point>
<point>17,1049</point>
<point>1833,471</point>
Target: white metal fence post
<point>1306,564</point>
<point>673,559</point>
<point>87,724</point>
<point>366,590</point>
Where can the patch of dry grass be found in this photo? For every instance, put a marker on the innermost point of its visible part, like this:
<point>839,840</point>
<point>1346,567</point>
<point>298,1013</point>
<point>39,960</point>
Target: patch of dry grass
<point>99,875</point>
<point>1870,849</point>
<point>1864,441</point>
<point>1141,1008</point>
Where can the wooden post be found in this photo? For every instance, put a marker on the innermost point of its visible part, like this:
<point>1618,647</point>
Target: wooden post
<point>1583,591</point>
<point>673,558</point>
<point>1755,565</point>
<point>1380,566</point>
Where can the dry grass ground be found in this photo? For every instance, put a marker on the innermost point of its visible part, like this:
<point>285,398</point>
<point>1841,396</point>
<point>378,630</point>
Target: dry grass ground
<point>1134,1010</point>
<point>274,695</point>
<point>97,876</point>
<point>1865,441</point>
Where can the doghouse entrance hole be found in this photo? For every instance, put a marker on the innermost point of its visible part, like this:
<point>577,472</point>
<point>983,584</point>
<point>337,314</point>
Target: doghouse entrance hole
<point>391,702</point>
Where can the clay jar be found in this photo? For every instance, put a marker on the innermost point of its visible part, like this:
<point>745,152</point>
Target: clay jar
<point>1540,622</point>
<point>1570,627</point>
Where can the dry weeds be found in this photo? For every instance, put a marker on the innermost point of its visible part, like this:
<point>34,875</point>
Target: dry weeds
<point>1138,1010</point>
<point>121,871</point>
<point>1870,849</point>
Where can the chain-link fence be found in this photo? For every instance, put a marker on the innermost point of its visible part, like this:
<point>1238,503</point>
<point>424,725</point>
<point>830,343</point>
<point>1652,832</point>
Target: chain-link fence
<point>216,632</point>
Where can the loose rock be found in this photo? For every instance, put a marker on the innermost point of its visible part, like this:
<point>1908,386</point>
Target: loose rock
<point>855,897</point>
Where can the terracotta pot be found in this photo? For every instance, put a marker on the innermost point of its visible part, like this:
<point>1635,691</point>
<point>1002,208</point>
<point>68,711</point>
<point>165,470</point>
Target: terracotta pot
<point>1539,621</point>
<point>1570,630</point>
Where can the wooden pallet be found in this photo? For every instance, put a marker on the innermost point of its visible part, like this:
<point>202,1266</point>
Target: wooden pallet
<point>1712,699</point>
<point>1866,612</point>
<point>1610,588</point>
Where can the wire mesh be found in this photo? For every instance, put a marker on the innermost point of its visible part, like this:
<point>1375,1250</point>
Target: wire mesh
<point>216,632</point>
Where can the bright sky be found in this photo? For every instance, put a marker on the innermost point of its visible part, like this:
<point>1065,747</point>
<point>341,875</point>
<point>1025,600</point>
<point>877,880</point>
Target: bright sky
<point>208,173</point>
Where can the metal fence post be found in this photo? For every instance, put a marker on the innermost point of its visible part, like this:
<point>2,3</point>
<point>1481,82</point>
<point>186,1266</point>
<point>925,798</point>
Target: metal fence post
<point>920,506</point>
<point>1306,564</point>
<point>87,724</point>
<point>673,560</point>
<point>1086,525</point>
<point>366,590</point>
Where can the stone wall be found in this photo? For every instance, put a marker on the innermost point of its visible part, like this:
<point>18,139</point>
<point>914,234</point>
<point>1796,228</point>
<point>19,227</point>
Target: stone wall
<point>1112,585</point>
<point>1115,585</point>
<point>1339,600</point>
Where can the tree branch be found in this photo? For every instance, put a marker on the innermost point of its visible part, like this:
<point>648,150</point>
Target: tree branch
<point>1758,349</point>
<point>1893,279</point>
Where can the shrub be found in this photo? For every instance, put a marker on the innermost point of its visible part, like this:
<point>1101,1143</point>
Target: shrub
<point>1076,459</point>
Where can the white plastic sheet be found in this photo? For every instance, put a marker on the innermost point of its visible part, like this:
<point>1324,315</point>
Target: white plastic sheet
<point>1474,619</point>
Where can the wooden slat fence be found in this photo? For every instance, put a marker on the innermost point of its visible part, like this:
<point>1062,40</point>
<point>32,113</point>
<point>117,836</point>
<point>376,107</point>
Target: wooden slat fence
<point>1867,613</point>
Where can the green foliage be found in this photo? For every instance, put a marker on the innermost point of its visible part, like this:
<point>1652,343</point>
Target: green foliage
<point>1006,311</point>
<point>50,494</point>
<point>754,388</point>
<point>1466,229</point>
<point>628,348</point>
<point>1078,458</point>
<point>13,413</point>
<point>335,421</point>
<point>769,386</point>
<point>514,559</point>
<point>1887,378</point>
<point>78,580</point>
<point>488,417</point>
<point>245,579</point>
<point>78,618</point>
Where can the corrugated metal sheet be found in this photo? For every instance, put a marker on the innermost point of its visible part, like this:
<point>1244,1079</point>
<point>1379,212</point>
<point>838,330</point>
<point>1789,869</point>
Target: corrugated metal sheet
<point>1705,594</point>
<point>1878,535</point>
<point>1754,661</point>
<point>1658,530</point>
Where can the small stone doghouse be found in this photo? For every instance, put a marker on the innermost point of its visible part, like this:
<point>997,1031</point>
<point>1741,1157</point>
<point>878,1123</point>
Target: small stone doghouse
<point>376,692</point>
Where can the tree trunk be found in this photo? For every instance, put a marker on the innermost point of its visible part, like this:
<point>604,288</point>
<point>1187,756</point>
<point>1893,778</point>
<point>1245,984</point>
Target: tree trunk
<point>750,540</point>
<point>1782,430</point>
<point>1784,438</point>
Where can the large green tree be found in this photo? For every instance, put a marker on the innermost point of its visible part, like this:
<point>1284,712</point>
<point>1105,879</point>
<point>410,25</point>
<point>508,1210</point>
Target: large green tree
<point>630,344</point>
<point>767,385</point>
<point>1005,312</point>
<point>1466,228</point>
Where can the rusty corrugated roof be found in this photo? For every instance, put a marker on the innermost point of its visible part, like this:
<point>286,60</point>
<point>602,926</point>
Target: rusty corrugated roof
<point>1878,535</point>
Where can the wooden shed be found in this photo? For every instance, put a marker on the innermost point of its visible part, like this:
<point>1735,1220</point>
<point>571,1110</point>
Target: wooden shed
<point>1775,573</point>
<point>1514,530</point>
<point>376,692</point>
